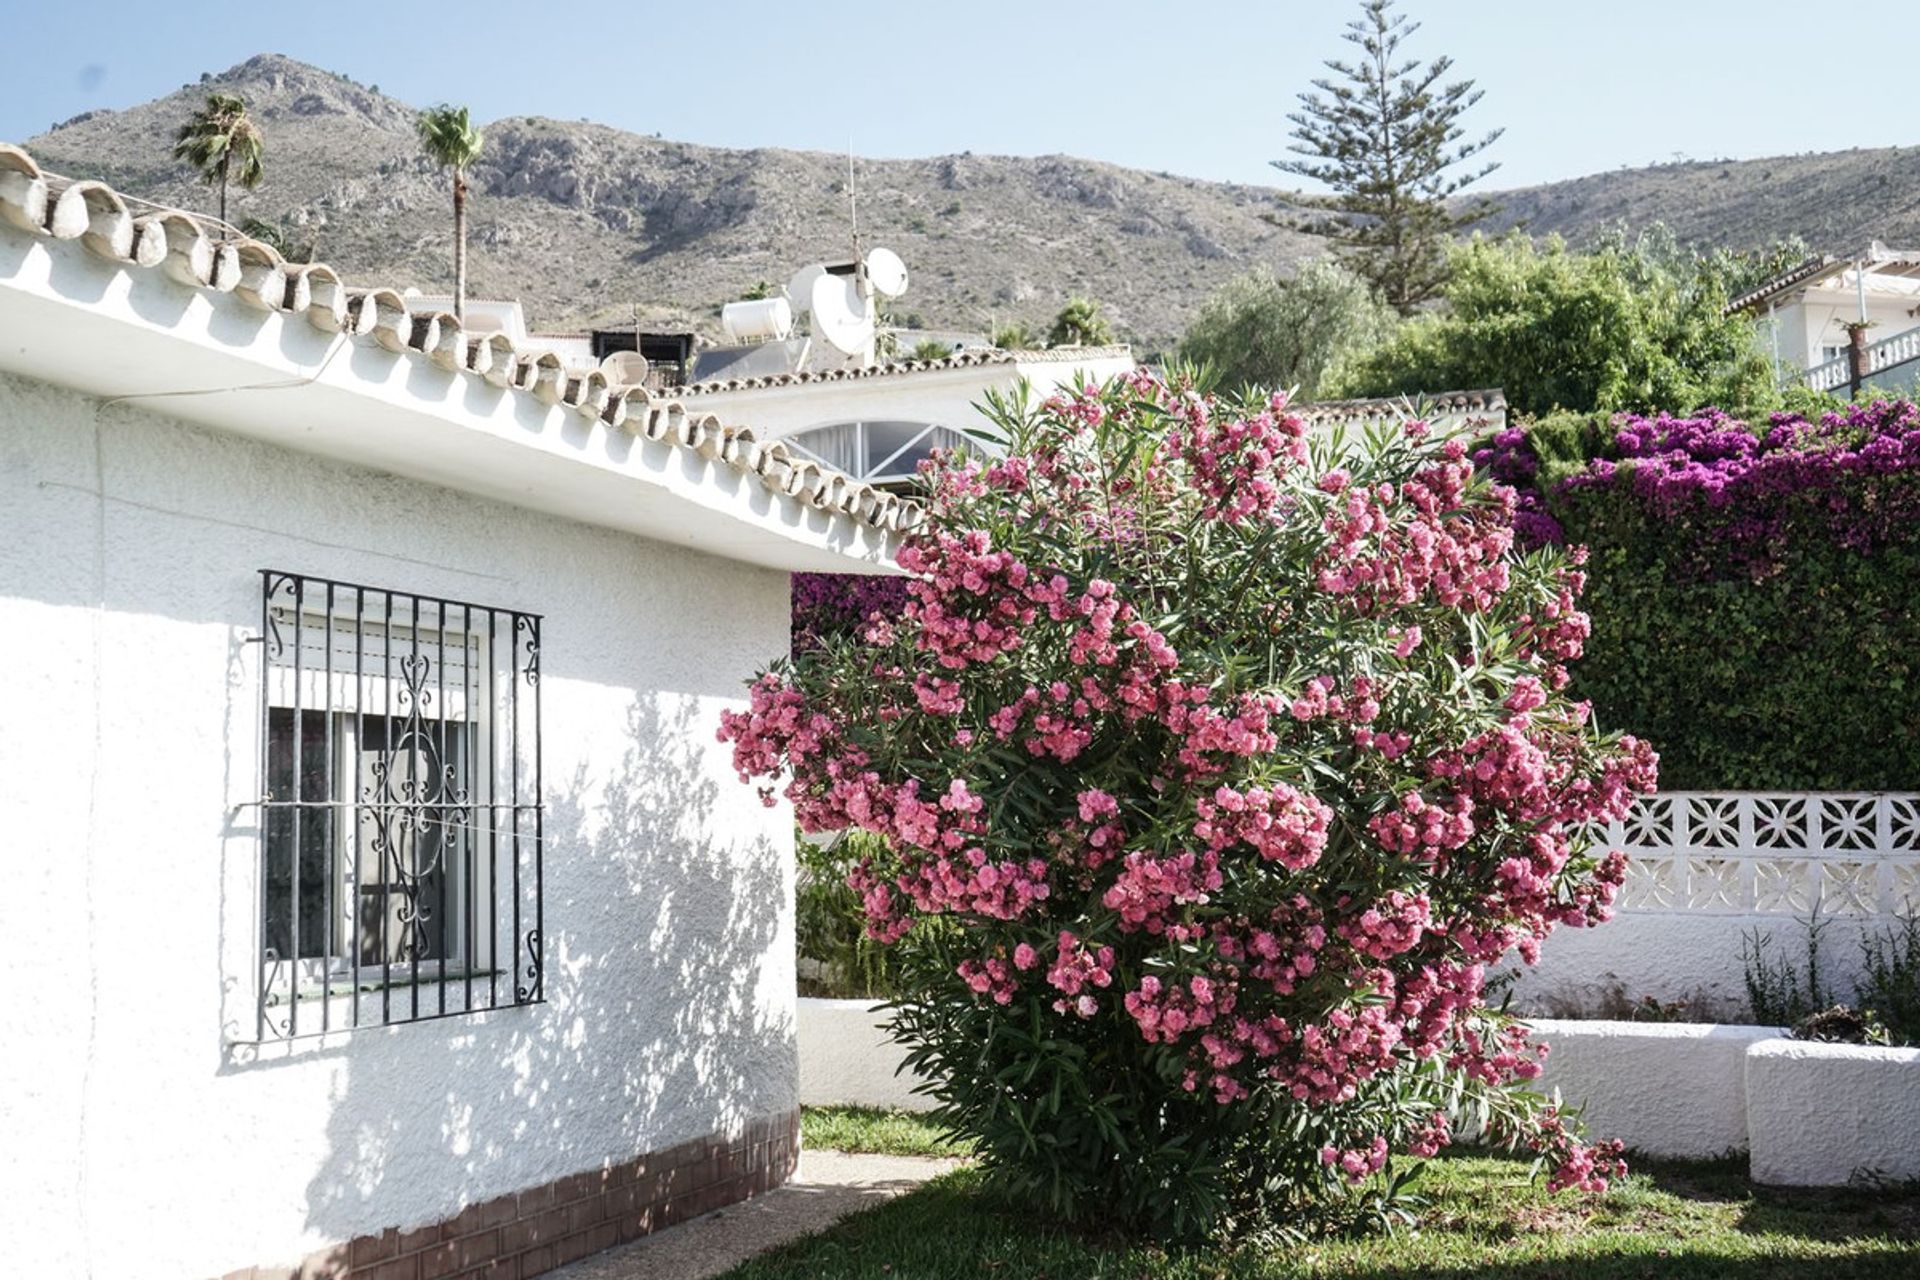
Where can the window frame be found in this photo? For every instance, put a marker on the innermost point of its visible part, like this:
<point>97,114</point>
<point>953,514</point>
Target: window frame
<point>496,807</point>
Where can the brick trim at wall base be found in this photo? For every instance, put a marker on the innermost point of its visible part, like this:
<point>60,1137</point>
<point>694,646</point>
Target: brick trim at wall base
<point>530,1232</point>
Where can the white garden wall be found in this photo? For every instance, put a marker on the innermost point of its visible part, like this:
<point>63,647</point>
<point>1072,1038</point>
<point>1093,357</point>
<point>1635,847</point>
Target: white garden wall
<point>1825,1114</point>
<point>140,1140</point>
<point>1666,1089</point>
<point>846,1058</point>
<point>1706,869</point>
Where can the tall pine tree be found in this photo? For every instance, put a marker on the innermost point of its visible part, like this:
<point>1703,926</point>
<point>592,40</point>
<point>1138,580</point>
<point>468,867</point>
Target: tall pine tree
<point>1384,136</point>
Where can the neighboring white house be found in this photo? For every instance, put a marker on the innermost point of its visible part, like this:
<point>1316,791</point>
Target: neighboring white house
<point>364,669</point>
<point>878,423</point>
<point>1804,316</point>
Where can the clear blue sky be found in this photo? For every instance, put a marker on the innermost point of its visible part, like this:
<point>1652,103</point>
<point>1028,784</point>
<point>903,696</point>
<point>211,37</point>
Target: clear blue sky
<point>1198,88</point>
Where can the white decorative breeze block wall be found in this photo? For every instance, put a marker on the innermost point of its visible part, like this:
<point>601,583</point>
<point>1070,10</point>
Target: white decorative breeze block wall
<point>1707,868</point>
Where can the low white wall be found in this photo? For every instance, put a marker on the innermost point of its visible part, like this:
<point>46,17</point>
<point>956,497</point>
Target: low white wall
<point>1825,1114</point>
<point>1706,869</point>
<point>1666,1089</point>
<point>846,1058</point>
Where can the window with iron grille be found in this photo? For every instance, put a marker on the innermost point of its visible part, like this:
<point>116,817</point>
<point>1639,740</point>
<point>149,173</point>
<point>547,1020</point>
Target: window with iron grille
<point>401,824</point>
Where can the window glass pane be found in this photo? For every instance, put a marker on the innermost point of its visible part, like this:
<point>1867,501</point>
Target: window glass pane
<point>884,439</point>
<point>310,824</point>
<point>401,830</point>
<point>836,446</point>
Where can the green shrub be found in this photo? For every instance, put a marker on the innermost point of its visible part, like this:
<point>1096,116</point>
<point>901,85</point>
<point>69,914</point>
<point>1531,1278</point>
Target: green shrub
<point>1196,829</point>
<point>1884,1003</point>
<point>1751,589</point>
<point>1633,324</point>
<point>836,957</point>
<point>1280,334</point>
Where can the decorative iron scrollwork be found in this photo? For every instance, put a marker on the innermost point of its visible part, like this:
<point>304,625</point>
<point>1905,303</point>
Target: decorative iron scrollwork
<point>535,971</point>
<point>399,777</point>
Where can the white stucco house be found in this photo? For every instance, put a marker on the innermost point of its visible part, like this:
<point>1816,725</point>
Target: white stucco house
<point>381,902</point>
<point>1807,314</point>
<point>877,423</point>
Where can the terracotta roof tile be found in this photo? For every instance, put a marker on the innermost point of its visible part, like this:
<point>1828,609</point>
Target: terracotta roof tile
<point>189,251</point>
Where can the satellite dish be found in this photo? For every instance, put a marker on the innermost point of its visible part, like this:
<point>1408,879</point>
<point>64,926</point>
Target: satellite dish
<point>886,273</point>
<point>800,288</point>
<point>756,318</point>
<point>841,315</point>
<point>625,368</point>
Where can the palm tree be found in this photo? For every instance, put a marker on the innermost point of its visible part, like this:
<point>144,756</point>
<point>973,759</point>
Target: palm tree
<point>224,144</point>
<point>1080,324</point>
<point>450,141</point>
<point>1013,336</point>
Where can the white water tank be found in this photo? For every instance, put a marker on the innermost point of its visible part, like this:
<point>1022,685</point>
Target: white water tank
<point>758,318</point>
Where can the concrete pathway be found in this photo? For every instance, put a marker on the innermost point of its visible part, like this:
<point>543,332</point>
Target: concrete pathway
<point>828,1186</point>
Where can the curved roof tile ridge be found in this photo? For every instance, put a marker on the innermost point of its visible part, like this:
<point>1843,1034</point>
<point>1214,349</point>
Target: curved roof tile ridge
<point>1482,400</point>
<point>200,253</point>
<point>971,358</point>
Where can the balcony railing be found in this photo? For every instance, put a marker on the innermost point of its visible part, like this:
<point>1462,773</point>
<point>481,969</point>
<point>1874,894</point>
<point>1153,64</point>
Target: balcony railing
<point>1885,354</point>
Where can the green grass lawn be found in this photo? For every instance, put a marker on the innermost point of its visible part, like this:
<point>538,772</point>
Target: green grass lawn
<point>1486,1219</point>
<point>870,1129</point>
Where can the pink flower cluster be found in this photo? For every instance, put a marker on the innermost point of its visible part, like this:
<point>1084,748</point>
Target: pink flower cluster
<point>1148,888</point>
<point>1390,926</point>
<point>1077,968</point>
<point>1166,1010</point>
<point>1234,464</point>
<point>1279,823</point>
<point>1395,545</point>
<point>1358,1164</point>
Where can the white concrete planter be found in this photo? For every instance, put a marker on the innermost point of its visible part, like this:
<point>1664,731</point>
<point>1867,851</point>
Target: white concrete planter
<point>1810,1114</point>
<point>847,1060</point>
<point>1821,1115</point>
<point>1666,1089</point>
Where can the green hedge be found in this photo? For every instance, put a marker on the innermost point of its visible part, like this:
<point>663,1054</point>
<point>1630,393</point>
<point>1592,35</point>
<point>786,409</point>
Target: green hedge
<point>1782,660</point>
<point>1803,680</point>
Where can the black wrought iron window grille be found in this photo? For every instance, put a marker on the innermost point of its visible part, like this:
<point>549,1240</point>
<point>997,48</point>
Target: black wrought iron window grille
<point>401,826</point>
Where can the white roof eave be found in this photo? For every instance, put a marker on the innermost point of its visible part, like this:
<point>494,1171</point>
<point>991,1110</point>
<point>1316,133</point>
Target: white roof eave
<point>74,318</point>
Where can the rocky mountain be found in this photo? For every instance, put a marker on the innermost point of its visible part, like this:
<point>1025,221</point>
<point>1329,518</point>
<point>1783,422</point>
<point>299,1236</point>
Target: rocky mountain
<point>584,222</point>
<point>587,224</point>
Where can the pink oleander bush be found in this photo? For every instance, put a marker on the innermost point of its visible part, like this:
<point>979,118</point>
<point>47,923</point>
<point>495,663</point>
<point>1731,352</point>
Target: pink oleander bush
<point>1227,761</point>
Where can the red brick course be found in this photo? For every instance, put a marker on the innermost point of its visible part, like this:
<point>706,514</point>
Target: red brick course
<point>534,1230</point>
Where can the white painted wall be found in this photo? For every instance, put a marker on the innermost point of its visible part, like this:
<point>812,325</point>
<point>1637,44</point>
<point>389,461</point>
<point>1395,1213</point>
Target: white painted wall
<point>1677,956</point>
<point>1816,319</point>
<point>846,1058</point>
<point>1666,1089</point>
<point>1706,870</point>
<point>137,1142</point>
<point>1823,1115</point>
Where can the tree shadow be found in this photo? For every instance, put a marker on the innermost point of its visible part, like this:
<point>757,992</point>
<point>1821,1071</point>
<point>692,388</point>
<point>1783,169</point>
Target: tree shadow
<point>664,1019</point>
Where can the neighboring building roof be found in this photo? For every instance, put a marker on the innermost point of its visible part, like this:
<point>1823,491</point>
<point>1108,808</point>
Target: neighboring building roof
<point>1808,271</point>
<point>1489,401</point>
<point>1888,271</point>
<point>186,254</point>
<point>958,360</point>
